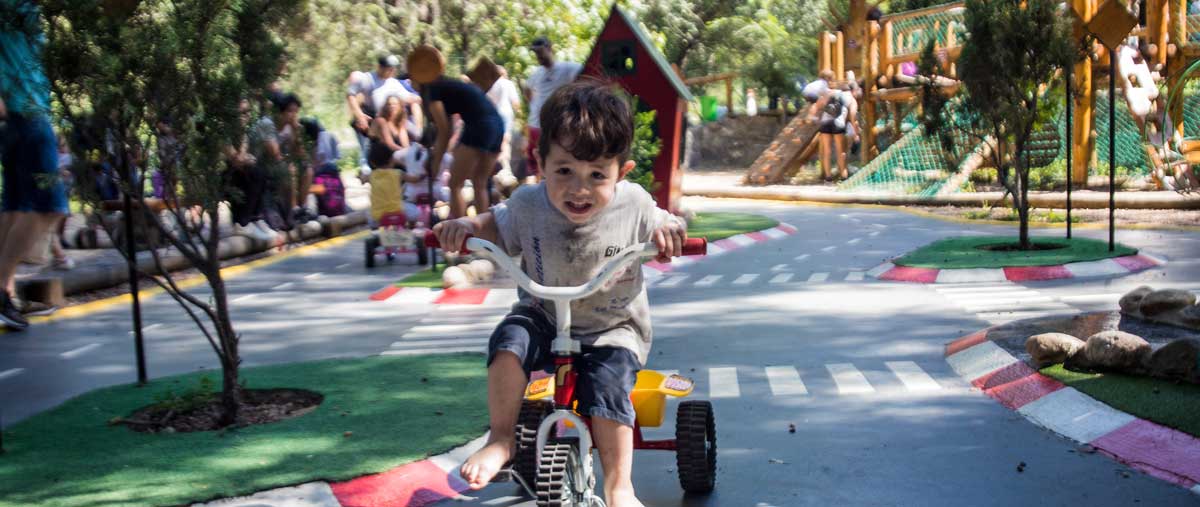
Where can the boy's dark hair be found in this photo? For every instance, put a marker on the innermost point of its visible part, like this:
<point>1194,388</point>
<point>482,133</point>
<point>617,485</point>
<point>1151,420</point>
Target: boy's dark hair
<point>283,101</point>
<point>588,120</point>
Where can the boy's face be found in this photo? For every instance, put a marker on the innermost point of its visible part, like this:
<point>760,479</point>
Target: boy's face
<point>579,189</point>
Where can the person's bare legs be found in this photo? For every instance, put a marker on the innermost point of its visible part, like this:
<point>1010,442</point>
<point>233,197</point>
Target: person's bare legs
<point>824,140</point>
<point>461,169</point>
<point>839,141</point>
<point>18,230</point>
<point>479,181</point>
<point>506,388</point>
<point>615,443</point>
<point>56,248</point>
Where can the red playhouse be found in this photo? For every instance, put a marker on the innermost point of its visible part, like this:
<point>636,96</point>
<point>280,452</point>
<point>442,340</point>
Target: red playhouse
<point>624,54</point>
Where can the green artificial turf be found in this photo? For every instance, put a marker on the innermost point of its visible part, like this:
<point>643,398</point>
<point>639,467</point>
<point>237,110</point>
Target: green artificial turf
<point>423,278</point>
<point>69,456</point>
<point>958,253</point>
<point>715,226</point>
<point>1166,403</point>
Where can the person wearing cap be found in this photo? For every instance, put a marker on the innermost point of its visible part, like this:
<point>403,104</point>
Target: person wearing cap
<point>549,75</point>
<point>478,146</point>
<point>361,99</point>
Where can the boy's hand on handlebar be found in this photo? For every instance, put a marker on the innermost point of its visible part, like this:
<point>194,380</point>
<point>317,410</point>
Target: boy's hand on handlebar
<point>669,239</point>
<point>453,233</point>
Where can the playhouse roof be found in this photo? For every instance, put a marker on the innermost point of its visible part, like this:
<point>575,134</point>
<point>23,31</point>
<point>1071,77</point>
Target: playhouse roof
<point>648,44</point>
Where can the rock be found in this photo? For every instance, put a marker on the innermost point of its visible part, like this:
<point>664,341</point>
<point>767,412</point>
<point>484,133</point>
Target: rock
<point>1052,348</point>
<point>1133,300</point>
<point>1163,301</point>
<point>1190,316</point>
<point>1115,350</point>
<point>1176,361</point>
<point>454,276</point>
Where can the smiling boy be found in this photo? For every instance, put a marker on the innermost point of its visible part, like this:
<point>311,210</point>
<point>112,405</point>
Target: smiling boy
<point>564,229</point>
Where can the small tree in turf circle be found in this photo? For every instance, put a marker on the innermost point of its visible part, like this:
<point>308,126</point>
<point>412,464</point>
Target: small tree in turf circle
<point>1012,52</point>
<point>117,67</point>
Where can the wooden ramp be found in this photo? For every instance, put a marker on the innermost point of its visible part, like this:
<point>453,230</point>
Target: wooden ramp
<point>794,145</point>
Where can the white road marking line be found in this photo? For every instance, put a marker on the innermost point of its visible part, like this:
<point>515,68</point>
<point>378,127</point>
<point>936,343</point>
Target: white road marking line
<point>417,352</point>
<point>785,381</point>
<point>453,329</point>
<point>673,281</point>
<point>779,267</point>
<point>343,266</point>
<point>147,328</point>
<point>1092,298</point>
<point>982,289</point>
<point>854,276</point>
<point>854,241</point>
<point>11,373</point>
<point>72,354</point>
<point>782,278</point>
<point>435,343</point>
<point>999,317</point>
<point>313,276</point>
<point>913,377</point>
<point>284,286</point>
<point>745,279</point>
<point>849,380</point>
<point>245,298</point>
<point>708,281</point>
<point>818,277</point>
<point>800,258</point>
<point>829,248</point>
<point>873,234</point>
<point>995,296</point>
<point>723,383</point>
<point>985,305</point>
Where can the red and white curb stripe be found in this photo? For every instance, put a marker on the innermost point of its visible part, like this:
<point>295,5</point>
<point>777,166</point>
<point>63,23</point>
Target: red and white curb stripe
<point>1159,451</point>
<point>1116,266</point>
<point>654,269</point>
<point>415,484</point>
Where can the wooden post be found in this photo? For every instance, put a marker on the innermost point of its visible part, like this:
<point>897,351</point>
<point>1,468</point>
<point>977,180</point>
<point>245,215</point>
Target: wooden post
<point>870,69</point>
<point>1084,148</point>
<point>1156,30</point>
<point>885,50</point>
<point>729,94</point>
<point>1178,62</point>
<point>856,36</point>
<point>839,56</point>
<point>824,59</point>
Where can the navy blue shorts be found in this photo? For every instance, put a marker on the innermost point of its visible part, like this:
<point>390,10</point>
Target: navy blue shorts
<point>485,134</point>
<point>29,153</point>
<point>606,374</point>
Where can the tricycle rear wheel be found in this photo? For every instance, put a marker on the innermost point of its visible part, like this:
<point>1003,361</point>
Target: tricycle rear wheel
<point>696,446</point>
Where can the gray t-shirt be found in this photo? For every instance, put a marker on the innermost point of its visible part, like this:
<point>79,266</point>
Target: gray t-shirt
<point>556,252</point>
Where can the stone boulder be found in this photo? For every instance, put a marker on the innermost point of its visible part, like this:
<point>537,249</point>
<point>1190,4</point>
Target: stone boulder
<point>1133,300</point>
<point>1190,317</point>
<point>1168,300</point>
<point>1115,351</point>
<point>1178,360</point>
<point>1052,348</point>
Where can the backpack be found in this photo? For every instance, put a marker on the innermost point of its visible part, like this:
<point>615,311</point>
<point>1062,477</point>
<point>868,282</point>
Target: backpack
<point>333,202</point>
<point>834,106</point>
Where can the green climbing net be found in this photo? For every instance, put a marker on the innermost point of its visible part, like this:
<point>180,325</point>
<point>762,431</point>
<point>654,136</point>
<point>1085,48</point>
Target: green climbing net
<point>914,29</point>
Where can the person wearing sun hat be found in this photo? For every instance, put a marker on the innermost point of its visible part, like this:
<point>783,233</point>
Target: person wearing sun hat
<point>483,130</point>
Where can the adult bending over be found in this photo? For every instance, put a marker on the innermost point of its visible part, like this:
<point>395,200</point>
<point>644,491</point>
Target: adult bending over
<point>483,129</point>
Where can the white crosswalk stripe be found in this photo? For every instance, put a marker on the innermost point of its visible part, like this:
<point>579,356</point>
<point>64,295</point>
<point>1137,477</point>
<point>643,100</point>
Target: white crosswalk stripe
<point>1003,302</point>
<point>723,383</point>
<point>673,281</point>
<point>782,278</point>
<point>745,279</point>
<point>800,258</point>
<point>854,241</point>
<point>912,376</point>
<point>854,276</point>
<point>708,281</point>
<point>829,248</point>
<point>779,267</point>
<point>848,379</point>
<point>11,373</point>
<point>818,277</point>
<point>785,380</point>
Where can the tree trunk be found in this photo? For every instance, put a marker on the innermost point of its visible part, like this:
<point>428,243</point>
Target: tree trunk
<point>1023,202</point>
<point>231,388</point>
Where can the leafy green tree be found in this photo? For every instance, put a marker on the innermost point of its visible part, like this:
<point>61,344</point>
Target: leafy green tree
<point>1008,67</point>
<point>645,149</point>
<point>116,67</point>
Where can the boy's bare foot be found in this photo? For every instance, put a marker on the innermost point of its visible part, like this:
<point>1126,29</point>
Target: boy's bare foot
<point>622,497</point>
<point>482,466</point>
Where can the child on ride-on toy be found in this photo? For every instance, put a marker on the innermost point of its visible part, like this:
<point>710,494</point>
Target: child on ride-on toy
<point>564,229</point>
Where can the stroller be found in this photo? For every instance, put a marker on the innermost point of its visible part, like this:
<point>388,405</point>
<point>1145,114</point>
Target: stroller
<point>400,226</point>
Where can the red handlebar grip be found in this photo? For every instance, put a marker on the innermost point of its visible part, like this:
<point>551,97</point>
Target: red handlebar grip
<point>431,241</point>
<point>695,246</point>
